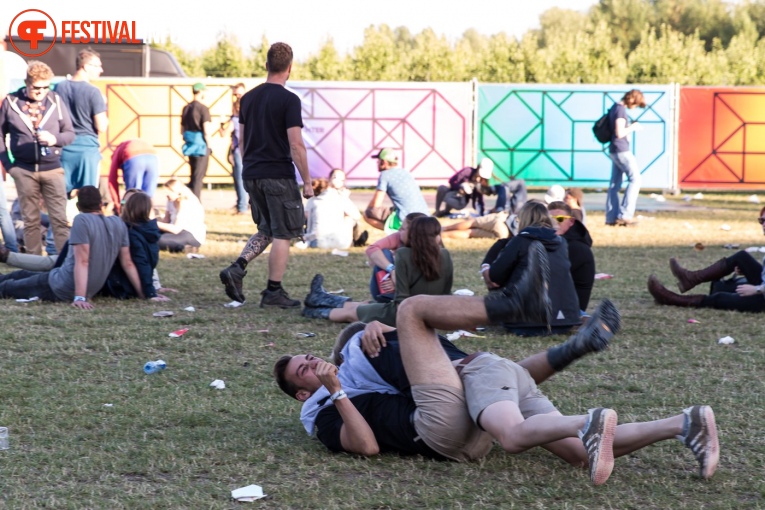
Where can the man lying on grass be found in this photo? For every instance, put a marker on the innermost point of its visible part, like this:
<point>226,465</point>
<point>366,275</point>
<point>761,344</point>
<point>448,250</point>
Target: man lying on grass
<point>367,406</point>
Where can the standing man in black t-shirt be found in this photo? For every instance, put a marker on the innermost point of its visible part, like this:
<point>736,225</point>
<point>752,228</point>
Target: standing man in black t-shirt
<point>196,128</point>
<point>270,123</point>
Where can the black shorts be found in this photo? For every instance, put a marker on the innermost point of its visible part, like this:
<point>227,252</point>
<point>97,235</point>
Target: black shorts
<point>277,207</point>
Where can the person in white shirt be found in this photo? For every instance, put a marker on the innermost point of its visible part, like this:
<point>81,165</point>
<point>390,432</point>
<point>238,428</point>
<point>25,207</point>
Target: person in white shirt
<point>183,227</point>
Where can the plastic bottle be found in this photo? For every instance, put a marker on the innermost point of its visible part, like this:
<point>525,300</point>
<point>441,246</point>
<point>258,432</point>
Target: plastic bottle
<point>152,367</point>
<point>44,150</point>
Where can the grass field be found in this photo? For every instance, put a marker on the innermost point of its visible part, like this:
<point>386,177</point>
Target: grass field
<point>170,441</point>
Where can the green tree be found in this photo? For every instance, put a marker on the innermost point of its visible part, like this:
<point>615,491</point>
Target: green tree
<point>431,58</point>
<point>379,58</point>
<point>257,58</point>
<point>327,64</point>
<point>225,59</point>
<point>190,63</point>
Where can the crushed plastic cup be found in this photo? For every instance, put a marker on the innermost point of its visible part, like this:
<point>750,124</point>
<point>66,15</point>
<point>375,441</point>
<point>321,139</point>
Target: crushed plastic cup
<point>307,334</point>
<point>692,321</point>
<point>233,304</point>
<point>190,309</point>
<point>194,256</point>
<point>29,300</point>
<point>218,384</point>
<point>603,276</point>
<point>726,340</point>
<point>248,494</point>
<point>163,313</point>
<point>178,333</point>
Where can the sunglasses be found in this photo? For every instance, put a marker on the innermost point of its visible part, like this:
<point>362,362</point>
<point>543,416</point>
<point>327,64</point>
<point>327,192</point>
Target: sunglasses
<point>761,220</point>
<point>44,87</point>
<point>562,218</point>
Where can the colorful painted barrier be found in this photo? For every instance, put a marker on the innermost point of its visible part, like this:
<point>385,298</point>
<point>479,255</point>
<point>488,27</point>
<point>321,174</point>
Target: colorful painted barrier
<point>343,125</point>
<point>543,133</point>
<point>721,138</point>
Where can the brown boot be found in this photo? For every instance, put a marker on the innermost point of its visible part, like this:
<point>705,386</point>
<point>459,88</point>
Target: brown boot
<point>663,296</point>
<point>686,280</point>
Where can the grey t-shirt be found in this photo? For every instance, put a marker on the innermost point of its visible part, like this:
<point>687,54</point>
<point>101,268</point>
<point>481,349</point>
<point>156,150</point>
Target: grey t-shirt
<point>105,236</point>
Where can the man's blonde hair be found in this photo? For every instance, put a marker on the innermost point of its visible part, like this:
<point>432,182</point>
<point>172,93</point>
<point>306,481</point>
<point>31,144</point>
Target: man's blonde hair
<point>37,70</point>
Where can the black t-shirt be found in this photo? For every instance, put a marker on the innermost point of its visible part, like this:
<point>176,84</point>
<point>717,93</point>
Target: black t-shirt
<point>389,416</point>
<point>618,111</point>
<point>267,112</point>
<point>193,116</point>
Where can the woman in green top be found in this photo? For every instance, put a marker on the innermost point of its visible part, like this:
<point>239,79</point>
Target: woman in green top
<point>423,266</point>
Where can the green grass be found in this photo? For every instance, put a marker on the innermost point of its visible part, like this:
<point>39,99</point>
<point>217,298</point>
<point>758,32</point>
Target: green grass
<point>170,441</point>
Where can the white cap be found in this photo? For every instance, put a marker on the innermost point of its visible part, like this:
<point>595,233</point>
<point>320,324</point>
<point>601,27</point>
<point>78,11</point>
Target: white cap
<point>486,168</point>
<point>556,193</point>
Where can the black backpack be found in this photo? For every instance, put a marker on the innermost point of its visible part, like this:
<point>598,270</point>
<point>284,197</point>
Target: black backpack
<point>602,129</point>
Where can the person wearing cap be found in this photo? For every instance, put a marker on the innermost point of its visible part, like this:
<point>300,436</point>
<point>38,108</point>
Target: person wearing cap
<point>196,128</point>
<point>467,185</point>
<point>400,187</point>
<point>270,130</point>
<point>96,242</point>
<point>556,193</point>
<point>82,158</point>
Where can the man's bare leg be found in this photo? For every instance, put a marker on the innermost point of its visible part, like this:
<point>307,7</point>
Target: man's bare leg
<point>277,259</point>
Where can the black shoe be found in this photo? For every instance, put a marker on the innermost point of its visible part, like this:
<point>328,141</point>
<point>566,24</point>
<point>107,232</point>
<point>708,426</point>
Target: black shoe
<point>277,299</point>
<point>362,240</point>
<point>597,332</point>
<point>232,278</point>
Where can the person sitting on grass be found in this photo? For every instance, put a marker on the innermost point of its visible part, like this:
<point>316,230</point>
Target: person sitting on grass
<point>381,255</point>
<point>506,260</point>
<point>143,235</point>
<point>95,243</point>
<point>579,250</point>
<point>331,217</point>
<point>183,226</point>
<point>746,297</point>
<point>415,393</point>
<point>423,266</point>
<point>466,186</point>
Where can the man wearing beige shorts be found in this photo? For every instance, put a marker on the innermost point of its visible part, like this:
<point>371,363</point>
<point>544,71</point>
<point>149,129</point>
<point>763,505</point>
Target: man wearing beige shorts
<point>491,226</point>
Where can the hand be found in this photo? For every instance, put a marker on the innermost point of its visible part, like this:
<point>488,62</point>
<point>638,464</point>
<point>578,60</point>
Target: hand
<point>636,126</point>
<point>487,279</point>
<point>307,190</point>
<point>746,290</point>
<point>166,289</point>
<point>46,138</point>
<point>160,297</point>
<point>327,374</point>
<point>82,305</point>
<point>373,340</point>
<point>388,286</point>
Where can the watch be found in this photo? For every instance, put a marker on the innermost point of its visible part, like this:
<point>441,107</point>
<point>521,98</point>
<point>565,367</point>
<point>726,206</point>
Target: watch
<point>338,395</point>
<point>80,298</point>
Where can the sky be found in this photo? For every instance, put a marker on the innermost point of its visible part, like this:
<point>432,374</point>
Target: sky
<point>304,24</point>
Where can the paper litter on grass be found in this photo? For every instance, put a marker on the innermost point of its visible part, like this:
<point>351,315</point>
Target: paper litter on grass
<point>233,304</point>
<point>726,340</point>
<point>459,333</point>
<point>36,298</point>
<point>190,309</point>
<point>248,494</point>
<point>753,199</point>
<point>218,384</point>
<point>603,276</point>
<point>178,333</point>
<point>725,227</point>
<point>464,292</point>
<point>194,256</point>
<point>339,253</point>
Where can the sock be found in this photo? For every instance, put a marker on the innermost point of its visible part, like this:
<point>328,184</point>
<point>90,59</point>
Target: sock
<point>241,262</point>
<point>273,286</point>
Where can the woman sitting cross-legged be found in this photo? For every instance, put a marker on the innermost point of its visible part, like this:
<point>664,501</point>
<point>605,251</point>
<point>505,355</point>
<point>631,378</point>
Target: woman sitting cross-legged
<point>183,226</point>
<point>745,297</point>
<point>423,266</point>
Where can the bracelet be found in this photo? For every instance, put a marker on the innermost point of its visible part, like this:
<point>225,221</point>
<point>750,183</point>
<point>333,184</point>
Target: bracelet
<point>390,268</point>
<point>338,395</point>
<point>484,268</point>
<point>80,298</point>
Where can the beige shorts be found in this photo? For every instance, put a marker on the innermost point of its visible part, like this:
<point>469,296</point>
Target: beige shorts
<point>443,423</point>
<point>490,226</point>
<point>489,379</point>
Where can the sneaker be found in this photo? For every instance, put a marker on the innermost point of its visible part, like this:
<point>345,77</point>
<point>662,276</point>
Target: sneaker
<point>232,278</point>
<point>278,299</point>
<point>598,439</point>
<point>701,437</point>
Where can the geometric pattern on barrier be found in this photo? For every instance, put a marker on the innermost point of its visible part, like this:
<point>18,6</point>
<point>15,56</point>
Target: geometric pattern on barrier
<point>735,134</point>
<point>345,123</point>
<point>151,110</point>
<point>543,134</point>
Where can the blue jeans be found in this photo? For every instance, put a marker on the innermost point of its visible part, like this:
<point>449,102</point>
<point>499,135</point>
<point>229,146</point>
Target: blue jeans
<point>374,289</point>
<point>242,197</point>
<point>516,188</point>
<point>25,284</point>
<point>141,172</point>
<point>623,163</point>
<point>6,222</point>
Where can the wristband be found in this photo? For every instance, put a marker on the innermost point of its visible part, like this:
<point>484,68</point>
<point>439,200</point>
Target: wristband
<point>80,298</point>
<point>338,395</point>
<point>484,267</point>
<point>390,268</point>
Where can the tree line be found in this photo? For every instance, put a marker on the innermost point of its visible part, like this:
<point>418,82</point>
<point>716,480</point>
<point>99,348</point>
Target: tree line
<point>690,42</point>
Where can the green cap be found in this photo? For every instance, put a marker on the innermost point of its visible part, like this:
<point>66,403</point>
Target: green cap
<point>387,154</point>
<point>199,87</point>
